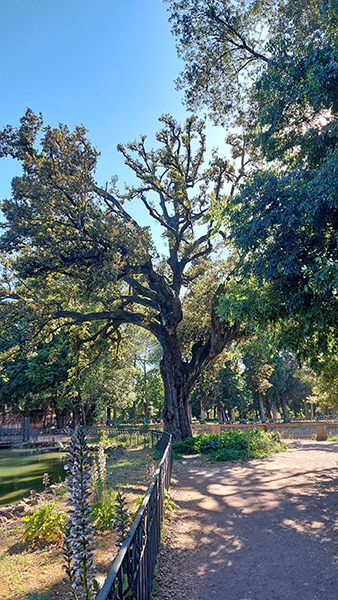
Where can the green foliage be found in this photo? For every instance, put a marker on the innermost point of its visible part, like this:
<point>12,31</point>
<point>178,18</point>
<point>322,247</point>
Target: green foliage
<point>221,386</point>
<point>169,503</point>
<point>232,445</point>
<point>139,500</point>
<point>185,447</point>
<point>103,438</point>
<point>31,377</point>
<point>104,514</point>
<point>44,525</point>
<point>263,444</point>
<point>221,44</point>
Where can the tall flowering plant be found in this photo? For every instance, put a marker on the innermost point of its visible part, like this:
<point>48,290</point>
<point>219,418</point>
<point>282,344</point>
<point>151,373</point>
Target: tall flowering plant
<point>78,549</point>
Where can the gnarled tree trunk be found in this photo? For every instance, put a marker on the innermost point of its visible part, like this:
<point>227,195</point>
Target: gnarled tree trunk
<point>176,389</point>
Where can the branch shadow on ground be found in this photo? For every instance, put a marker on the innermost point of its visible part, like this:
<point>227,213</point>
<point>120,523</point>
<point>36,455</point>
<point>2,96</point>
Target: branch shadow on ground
<point>259,532</point>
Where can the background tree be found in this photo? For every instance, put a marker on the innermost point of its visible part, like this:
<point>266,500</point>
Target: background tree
<point>147,354</point>
<point>38,379</point>
<point>290,386</point>
<point>257,375</point>
<point>282,88</point>
<point>222,388</point>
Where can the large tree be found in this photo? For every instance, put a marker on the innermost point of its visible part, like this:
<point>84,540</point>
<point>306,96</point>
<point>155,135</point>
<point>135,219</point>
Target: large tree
<point>74,255</point>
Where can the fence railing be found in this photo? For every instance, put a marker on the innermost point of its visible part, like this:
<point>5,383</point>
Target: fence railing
<point>131,575</point>
<point>15,436</point>
<point>132,435</point>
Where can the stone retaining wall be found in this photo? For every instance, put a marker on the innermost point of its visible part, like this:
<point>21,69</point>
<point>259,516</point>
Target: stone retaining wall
<point>318,431</point>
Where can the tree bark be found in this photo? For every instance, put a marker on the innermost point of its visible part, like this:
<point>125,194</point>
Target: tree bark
<point>176,389</point>
<point>286,417</point>
<point>261,407</point>
<point>145,392</point>
<point>274,411</point>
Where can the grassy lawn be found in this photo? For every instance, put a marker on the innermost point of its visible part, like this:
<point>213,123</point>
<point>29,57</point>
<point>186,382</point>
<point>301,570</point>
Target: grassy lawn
<point>26,568</point>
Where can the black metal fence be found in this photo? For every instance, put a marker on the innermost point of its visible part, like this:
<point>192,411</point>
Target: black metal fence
<point>132,572</point>
<point>131,435</point>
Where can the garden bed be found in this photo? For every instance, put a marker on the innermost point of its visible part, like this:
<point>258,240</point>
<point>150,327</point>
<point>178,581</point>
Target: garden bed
<point>26,568</point>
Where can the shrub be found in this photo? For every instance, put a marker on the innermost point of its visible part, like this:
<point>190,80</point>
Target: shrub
<point>104,438</point>
<point>230,454</point>
<point>263,444</point>
<point>61,491</point>
<point>169,502</point>
<point>185,446</point>
<point>232,445</point>
<point>44,525</point>
<point>104,514</point>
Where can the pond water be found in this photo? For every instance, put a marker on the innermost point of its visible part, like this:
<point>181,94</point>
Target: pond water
<point>22,471</point>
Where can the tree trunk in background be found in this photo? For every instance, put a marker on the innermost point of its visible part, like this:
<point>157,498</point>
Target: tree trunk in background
<point>189,412</point>
<point>145,393</point>
<point>306,410</point>
<point>134,412</point>
<point>286,417</point>
<point>76,417</point>
<point>261,407</point>
<point>59,418</point>
<point>274,411</point>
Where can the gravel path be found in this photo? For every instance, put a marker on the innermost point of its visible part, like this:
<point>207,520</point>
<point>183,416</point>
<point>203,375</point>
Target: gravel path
<point>263,530</point>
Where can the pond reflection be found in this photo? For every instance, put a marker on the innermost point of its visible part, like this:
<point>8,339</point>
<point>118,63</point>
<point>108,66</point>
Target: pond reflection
<point>22,471</point>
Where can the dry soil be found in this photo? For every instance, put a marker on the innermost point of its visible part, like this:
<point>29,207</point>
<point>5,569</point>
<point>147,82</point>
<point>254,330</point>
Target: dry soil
<point>261,530</point>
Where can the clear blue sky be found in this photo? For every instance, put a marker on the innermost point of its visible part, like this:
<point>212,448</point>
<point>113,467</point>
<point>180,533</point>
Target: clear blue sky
<point>109,64</point>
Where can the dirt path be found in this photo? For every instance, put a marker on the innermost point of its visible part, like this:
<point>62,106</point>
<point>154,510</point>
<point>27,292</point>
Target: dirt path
<point>264,530</point>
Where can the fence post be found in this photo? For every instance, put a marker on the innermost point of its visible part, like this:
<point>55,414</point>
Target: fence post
<point>321,433</point>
